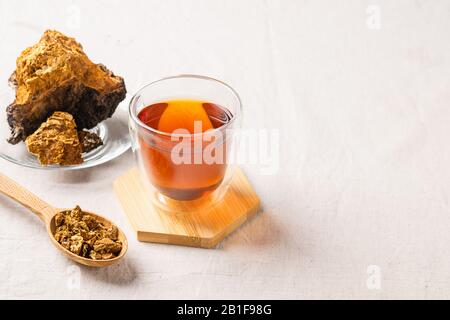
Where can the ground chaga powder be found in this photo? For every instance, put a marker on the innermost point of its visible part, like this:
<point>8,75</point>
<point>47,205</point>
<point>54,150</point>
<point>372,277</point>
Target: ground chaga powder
<point>84,235</point>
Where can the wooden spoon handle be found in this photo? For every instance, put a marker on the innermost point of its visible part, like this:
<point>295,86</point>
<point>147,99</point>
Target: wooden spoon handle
<point>29,200</point>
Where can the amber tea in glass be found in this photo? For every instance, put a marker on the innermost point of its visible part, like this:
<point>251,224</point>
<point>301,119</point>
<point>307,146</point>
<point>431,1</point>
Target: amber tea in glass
<point>189,180</point>
<point>176,124</point>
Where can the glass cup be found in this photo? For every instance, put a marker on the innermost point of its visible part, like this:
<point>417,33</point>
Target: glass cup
<point>185,170</point>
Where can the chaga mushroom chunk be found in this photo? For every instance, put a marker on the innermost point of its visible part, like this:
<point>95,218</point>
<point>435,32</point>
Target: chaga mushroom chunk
<point>56,75</point>
<point>56,141</point>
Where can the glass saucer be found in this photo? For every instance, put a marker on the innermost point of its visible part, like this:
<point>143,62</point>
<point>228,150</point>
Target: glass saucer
<point>113,131</point>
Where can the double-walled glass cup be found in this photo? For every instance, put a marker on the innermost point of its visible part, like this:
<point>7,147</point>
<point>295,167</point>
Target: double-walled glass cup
<point>185,170</point>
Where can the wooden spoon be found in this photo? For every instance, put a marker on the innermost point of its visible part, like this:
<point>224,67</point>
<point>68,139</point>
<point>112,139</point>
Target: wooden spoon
<point>47,214</point>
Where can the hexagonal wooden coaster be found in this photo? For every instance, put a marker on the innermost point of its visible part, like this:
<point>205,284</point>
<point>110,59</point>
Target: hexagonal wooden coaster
<point>202,228</point>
